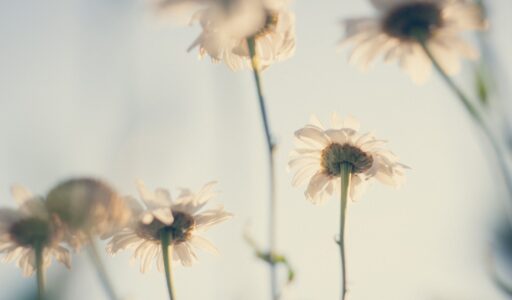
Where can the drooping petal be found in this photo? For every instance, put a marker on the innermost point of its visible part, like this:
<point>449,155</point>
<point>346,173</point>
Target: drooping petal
<point>164,215</point>
<point>303,174</point>
<point>203,244</point>
<point>185,255</point>
<point>316,184</point>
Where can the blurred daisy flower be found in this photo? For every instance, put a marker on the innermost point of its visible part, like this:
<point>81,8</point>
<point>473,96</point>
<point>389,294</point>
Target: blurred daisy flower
<point>87,207</point>
<point>181,219</point>
<point>402,26</point>
<point>227,25</point>
<point>321,152</point>
<point>29,229</point>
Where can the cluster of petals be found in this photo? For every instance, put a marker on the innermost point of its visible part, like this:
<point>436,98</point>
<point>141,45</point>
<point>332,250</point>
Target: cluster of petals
<point>307,159</point>
<point>226,26</point>
<point>161,211</point>
<point>391,34</point>
<point>22,228</point>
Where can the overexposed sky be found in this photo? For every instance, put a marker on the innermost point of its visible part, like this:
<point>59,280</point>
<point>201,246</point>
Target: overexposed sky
<point>101,87</point>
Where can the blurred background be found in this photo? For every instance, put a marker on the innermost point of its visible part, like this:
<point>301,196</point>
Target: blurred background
<point>106,88</point>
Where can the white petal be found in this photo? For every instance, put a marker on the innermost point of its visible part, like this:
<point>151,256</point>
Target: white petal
<point>153,200</point>
<point>20,194</point>
<point>163,196</point>
<point>203,244</point>
<point>337,136</point>
<point>147,218</point>
<point>211,217</point>
<point>416,64</point>
<point>316,185</point>
<point>303,174</point>
<point>164,215</point>
<point>312,136</point>
<point>207,192</point>
<point>62,255</point>
<point>185,255</point>
<point>304,161</point>
<point>357,187</point>
<point>144,193</point>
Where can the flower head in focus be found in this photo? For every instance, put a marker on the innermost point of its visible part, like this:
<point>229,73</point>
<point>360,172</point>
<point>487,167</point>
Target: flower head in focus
<point>400,26</point>
<point>182,218</point>
<point>321,152</point>
<point>226,26</point>
<point>28,228</point>
<point>87,207</point>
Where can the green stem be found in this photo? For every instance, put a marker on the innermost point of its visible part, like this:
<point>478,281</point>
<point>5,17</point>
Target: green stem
<point>39,249</point>
<point>346,175</point>
<point>476,116</point>
<point>251,43</point>
<point>167,250</point>
<point>94,255</point>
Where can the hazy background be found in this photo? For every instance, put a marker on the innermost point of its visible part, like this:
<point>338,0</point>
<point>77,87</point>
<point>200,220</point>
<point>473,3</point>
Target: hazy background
<point>103,88</point>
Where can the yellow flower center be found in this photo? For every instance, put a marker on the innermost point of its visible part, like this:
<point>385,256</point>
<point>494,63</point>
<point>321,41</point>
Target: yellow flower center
<point>413,20</point>
<point>335,155</point>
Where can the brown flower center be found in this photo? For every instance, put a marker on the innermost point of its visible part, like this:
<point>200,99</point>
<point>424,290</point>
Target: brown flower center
<point>413,20</point>
<point>335,155</point>
<point>180,230</point>
<point>31,232</point>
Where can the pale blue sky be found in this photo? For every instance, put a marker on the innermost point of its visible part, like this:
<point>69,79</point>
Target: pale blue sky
<point>99,87</point>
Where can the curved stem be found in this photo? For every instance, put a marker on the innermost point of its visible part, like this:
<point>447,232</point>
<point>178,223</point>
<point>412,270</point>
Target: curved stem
<point>94,255</point>
<point>476,116</point>
<point>167,250</point>
<point>462,97</point>
<point>251,43</point>
<point>38,249</point>
<point>346,175</point>
<point>504,286</point>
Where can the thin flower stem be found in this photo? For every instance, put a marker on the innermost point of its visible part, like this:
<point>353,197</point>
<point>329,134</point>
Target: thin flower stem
<point>38,249</point>
<point>476,116</point>
<point>251,43</point>
<point>346,175</point>
<point>256,71</point>
<point>167,250</point>
<point>462,97</point>
<point>94,255</point>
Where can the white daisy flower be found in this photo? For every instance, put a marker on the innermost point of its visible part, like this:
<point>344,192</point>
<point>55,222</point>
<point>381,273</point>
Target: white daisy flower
<point>226,28</point>
<point>400,24</point>
<point>29,227</point>
<point>87,207</point>
<point>320,153</point>
<point>181,217</point>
